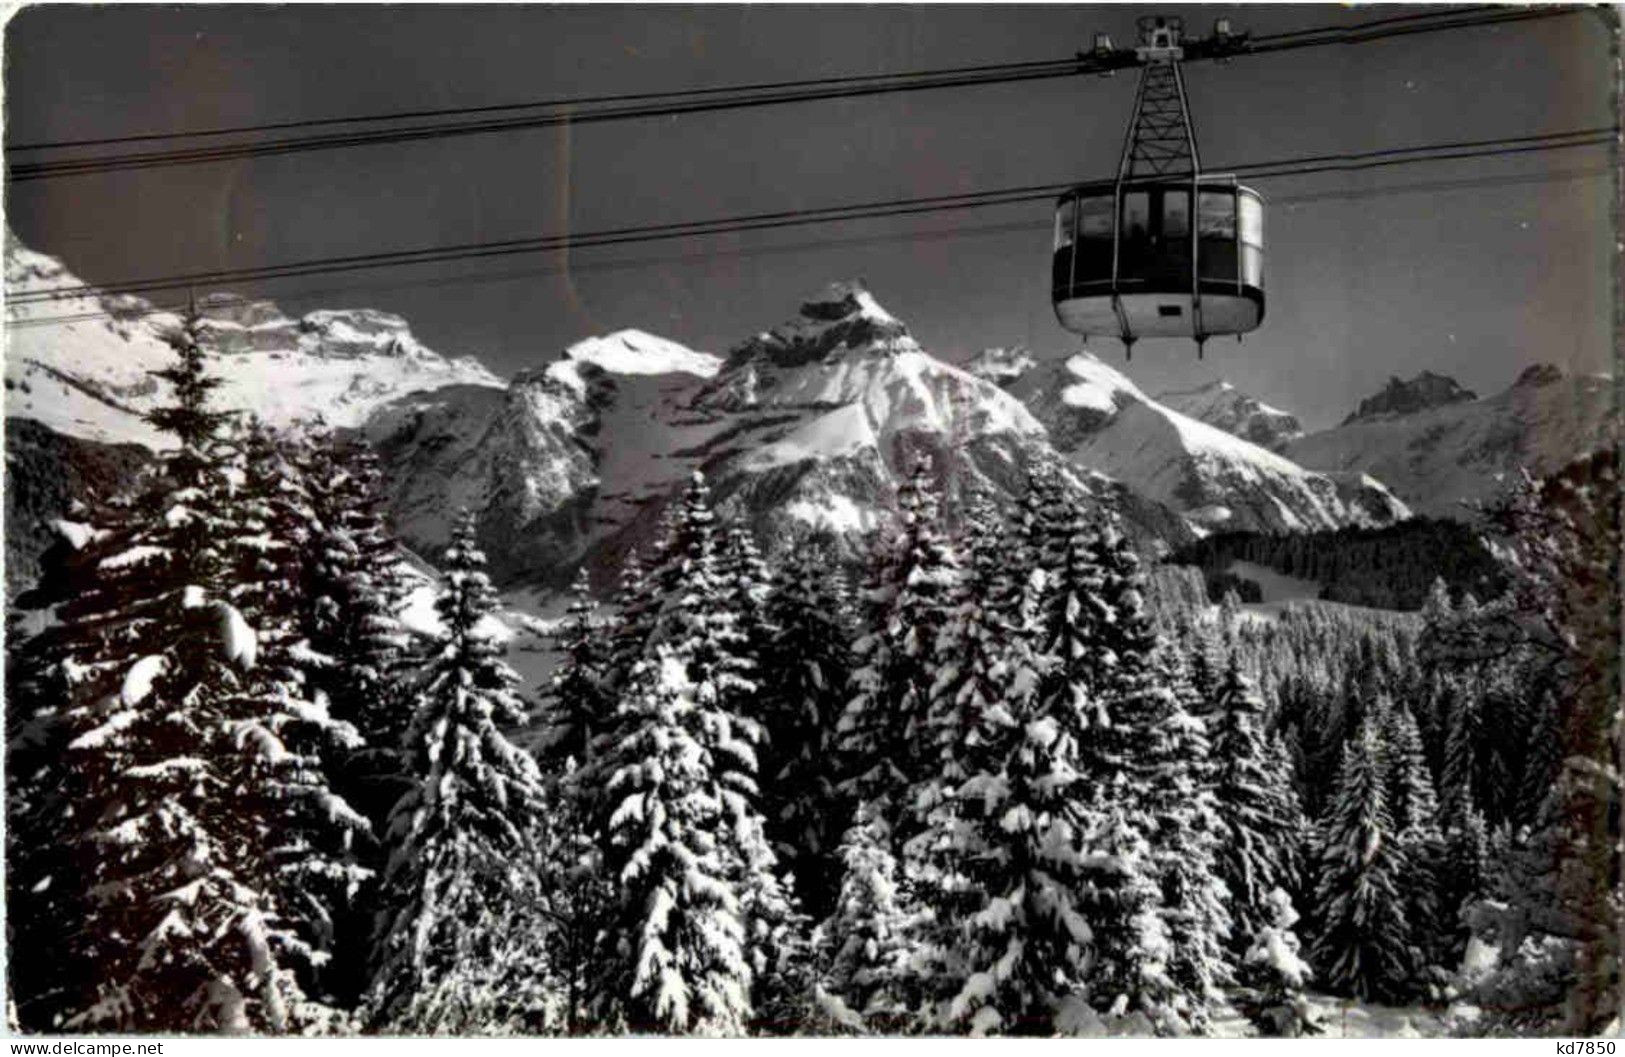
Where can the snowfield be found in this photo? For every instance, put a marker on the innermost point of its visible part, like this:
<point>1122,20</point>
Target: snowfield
<point>90,376</point>
<point>1103,422</point>
<point>1442,457</point>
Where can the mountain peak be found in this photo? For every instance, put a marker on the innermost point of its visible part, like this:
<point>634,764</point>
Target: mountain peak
<point>1421,393</point>
<point>1001,366</point>
<point>843,318</point>
<point>1537,375</point>
<point>623,352</point>
<point>639,352</point>
<point>843,300</point>
<point>1219,403</point>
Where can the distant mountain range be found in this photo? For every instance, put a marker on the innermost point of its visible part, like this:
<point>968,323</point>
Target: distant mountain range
<point>803,429</point>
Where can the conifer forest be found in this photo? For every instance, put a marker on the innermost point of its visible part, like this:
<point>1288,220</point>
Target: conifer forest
<point>988,779</point>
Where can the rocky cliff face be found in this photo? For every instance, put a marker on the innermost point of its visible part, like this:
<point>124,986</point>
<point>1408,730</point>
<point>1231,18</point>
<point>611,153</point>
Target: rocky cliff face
<point>46,472</point>
<point>1427,390</point>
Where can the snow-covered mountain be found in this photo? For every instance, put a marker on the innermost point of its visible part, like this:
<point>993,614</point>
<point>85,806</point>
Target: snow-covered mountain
<point>1456,449</point>
<point>1101,420</point>
<point>566,453</point>
<point>1222,405</point>
<point>87,375</point>
<point>802,429</point>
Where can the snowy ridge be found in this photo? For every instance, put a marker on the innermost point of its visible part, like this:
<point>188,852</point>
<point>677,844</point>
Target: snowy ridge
<point>1222,405</point>
<point>88,378</point>
<point>630,352</point>
<point>1103,421</point>
<point>1438,458</point>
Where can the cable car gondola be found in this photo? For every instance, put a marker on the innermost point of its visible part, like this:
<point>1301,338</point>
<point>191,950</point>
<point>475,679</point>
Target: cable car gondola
<point>1162,251</point>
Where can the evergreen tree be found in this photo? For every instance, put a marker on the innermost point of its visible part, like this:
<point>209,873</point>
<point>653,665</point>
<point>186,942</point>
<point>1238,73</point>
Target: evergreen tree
<point>354,590</point>
<point>1256,801</point>
<point>318,873</point>
<point>882,737</point>
<point>177,805</point>
<point>1363,947</point>
<point>1071,618</point>
<point>804,674</point>
<point>458,838</point>
<point>1275,975</point>
<point>1187,838</point>
<point>635,604</point>
<point>1463,879</point>
<point>1153,755</point>
<point>1415,812</point>
<point>998,859</point>
<point>679,961</point>
<point>981,661</point>
<point>686,698</point>
<point>866,942</point>
<point>576,704</point>
<point>746,586</point>
<point>1130,948</point>
<point>1019,955</point>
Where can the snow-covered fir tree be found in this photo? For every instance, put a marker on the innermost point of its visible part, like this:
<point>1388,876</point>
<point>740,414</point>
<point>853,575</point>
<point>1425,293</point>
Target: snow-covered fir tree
<point>1276,976</point>
<point>576,703</point>
<point>1018,948</point>
<point>1130,948</point>
<point>679,960</point>
<point>803,688</point>
<point>713,960</point>
<point>1072,613</point>
<point>747,585</point>
<point>458,840</point>
<point>1189,832</point>
<point>977,672</point>
<point>866,943</point>
<point>1151,754</point>
<point>355,588</point>
<point>273,528</point>
<point>1363,943</point>
<point>882,736</point>
<point>1255,800</point>
<point>1415,810</point>
<point>180,808</point>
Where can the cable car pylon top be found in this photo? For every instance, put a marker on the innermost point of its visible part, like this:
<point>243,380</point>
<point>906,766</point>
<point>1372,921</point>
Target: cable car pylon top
<point>1163,250</point>
<point>1160,139</point>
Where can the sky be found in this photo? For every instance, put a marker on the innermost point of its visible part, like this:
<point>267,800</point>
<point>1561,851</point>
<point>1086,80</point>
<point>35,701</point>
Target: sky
<point>1475,269</point>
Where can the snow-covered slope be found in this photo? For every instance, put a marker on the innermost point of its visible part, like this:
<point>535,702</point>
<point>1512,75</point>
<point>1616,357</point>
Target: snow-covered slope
<point>1222,405</point>
<point>88,377</point>
<point>1462,450</point>
<point>566,454</point>
<point>1103,422</point>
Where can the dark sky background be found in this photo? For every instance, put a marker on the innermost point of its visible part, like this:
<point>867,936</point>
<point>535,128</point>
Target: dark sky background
<point>1368,274</point>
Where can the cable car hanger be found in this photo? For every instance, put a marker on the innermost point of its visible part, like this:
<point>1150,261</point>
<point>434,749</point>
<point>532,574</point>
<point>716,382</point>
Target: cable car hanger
<point>1163,250</point>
